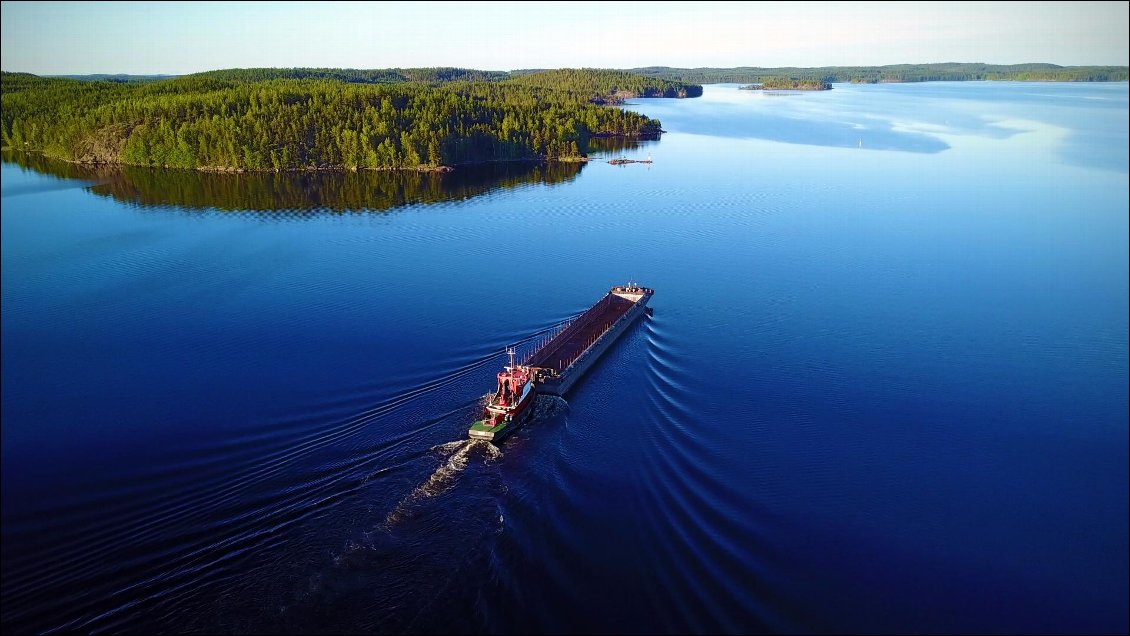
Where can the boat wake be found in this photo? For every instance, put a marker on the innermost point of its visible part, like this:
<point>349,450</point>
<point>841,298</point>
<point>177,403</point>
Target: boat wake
<point>458,453</point>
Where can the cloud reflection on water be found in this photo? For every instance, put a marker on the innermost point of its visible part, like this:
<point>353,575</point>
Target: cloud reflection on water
<point>875,117</point>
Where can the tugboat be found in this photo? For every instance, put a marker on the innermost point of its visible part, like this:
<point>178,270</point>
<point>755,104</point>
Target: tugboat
<point>507,407</point>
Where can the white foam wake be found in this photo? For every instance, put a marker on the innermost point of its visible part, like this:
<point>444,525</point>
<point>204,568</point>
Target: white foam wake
<point>458,453</point>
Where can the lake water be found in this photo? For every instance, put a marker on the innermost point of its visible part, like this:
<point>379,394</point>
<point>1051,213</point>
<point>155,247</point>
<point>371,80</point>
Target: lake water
<point>884,388</point>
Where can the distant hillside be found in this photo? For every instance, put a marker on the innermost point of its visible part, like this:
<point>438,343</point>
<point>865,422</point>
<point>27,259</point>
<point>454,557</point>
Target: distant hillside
<point>117,77</point>
<point>437,75</point>
<point>597,85</point>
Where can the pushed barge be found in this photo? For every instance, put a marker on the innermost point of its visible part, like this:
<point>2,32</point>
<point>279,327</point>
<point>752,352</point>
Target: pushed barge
<point>555,366</point>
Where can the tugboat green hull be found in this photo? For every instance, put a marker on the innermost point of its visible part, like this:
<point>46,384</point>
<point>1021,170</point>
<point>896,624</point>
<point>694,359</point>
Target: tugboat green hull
<point>479,430</point>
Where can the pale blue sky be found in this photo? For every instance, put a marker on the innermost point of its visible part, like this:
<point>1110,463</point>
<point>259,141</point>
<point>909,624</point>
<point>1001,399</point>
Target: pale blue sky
<point>186,37</point>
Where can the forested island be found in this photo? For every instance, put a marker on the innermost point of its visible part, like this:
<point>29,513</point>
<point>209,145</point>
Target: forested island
<point>785,84</point>
<point>326,119</point>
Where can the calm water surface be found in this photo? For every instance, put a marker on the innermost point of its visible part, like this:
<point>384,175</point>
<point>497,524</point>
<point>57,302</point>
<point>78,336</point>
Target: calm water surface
<point>884,388</point>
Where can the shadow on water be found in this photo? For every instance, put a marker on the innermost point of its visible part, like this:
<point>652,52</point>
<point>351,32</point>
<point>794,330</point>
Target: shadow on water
<point>343,191</point>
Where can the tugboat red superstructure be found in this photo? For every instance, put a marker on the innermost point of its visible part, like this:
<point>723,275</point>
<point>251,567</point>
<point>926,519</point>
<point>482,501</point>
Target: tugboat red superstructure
<point>508,405</point>
<point>560,361</point>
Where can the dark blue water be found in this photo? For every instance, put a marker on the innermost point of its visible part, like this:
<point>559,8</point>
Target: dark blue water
<point>884,388</point>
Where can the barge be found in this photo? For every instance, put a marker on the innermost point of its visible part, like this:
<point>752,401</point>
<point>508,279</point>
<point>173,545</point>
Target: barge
<point>557,365</point>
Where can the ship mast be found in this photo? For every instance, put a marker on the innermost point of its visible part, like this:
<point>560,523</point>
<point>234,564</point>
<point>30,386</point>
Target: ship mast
<point>510,350</point>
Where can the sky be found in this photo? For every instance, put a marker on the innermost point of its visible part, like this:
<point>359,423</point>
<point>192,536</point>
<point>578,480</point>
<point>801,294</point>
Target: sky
<point>56,38</point>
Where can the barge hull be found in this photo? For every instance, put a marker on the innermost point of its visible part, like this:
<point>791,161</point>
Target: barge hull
<point>575,350</point>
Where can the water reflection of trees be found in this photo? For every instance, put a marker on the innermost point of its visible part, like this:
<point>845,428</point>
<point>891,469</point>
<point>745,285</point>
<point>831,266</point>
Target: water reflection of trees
<point>334,191</point>
<point>609,146</point>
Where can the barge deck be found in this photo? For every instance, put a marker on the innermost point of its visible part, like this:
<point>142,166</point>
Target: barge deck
<point>566,357</point>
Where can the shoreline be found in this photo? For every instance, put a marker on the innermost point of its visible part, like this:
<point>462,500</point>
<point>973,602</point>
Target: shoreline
<point>440,169</point>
